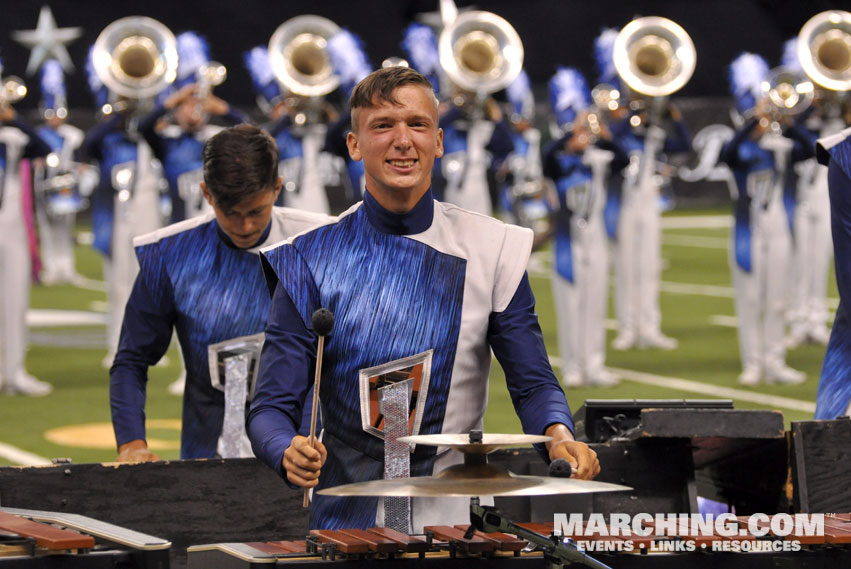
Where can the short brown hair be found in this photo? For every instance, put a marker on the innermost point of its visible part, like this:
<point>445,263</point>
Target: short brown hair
<point>239,162</point>
<point>380,85</point>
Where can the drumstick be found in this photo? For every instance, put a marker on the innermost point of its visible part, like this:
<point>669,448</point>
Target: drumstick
<point>322,322</point>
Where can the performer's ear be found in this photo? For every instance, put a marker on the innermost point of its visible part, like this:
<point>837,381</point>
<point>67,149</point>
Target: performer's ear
<point>439,152</point>
<point>354,149</point>
<point>207,195</point>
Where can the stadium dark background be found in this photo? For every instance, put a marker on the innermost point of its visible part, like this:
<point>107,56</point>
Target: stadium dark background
<point>553,32</point>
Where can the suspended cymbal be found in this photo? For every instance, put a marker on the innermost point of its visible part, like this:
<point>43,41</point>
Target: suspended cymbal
<point>483,480</point>
<point>461,442</point>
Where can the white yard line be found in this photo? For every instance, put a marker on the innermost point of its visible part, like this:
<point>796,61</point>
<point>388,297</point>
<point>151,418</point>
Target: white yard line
<point>678,240</point>
<point>42,318</point>
<point>716,390</point>
<point>696,221</point>
<point>21,457</point>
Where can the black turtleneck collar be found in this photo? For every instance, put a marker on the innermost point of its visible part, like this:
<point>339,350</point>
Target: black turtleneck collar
<point>417,220</point>
<point>227,240</point>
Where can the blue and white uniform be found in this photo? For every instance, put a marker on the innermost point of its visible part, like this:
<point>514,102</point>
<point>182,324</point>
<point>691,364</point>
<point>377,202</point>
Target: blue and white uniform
<point>580,257</point>
<point>192,279</point>
<point>17,141</point>
<point>437,278</point>
<point>56,224</point>
<point>471,146</point>
<point>125,205</point>
<point>179,152</point>
<point>761,247</point>
<point>834,389</point>
<point>638,248</point>
<point>305,169</point>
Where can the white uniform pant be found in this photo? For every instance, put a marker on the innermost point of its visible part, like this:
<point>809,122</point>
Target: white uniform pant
<point>761,294</point>
<point>813,249</point>
<point>471,191</point>
<point>638,263</point>
<point>15,268</point>
<point>581,305</point>
<point>56,235</point>
<point>311,195</point>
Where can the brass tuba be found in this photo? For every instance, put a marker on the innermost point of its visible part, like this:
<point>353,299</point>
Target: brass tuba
<point>788,93</point>
<point>136,57</point>
<point>824,49</point>
<point>299,57</point>
<point>654,56</point>
<point>480,52</point>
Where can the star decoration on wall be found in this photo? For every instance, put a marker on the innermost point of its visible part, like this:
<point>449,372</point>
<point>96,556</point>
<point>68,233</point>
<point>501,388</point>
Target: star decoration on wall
<point>47,41</point>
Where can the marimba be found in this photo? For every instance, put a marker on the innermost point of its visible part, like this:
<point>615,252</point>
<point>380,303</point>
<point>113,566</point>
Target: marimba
<point>444,546</point>
<point>37,539</point>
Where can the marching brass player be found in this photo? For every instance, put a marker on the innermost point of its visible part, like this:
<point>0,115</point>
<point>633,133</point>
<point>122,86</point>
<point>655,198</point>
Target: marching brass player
<point>579,164</point>
<point>18,141</point>
<point>761,159</point>
<point>653,127</point>
<point>178,145</point>
<point>406,277</point>
<point>812,244</point>
<point>523,165</point>
<point>60,182</point>
<point>292,78</point>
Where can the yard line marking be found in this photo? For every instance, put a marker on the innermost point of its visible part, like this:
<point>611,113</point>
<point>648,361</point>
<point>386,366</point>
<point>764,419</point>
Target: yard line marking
<point>39,317</point>
<point>696,221</point>
<point>21,457</point>
<point>698,290</point>
<point>716,390</point>
<point>724,320</point>
<point>696,241</point>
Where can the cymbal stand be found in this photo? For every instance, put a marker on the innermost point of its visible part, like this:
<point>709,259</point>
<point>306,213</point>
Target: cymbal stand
<point>556,551</point>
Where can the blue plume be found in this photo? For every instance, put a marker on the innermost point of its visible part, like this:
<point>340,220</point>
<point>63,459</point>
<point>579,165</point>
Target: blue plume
<point>569,94</point>
<point>790,59</point>
<point>192,53</point>
<point>348,59</point>
<point>747,72</point>
<point>420,46</point>
<point>262,78</point>
<point>519,94</point>
<point>53,94</point>
<point>96,86</point>
<point>603,56</point>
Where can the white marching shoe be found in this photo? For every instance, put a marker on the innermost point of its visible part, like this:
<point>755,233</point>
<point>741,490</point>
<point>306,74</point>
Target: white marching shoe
<point>572,379</point>
<point>624,341</point>
<point>750,376</point>
<point>603,378</point>
<point>784,374</point>
<point>25,384</point>
<point>657,340</point>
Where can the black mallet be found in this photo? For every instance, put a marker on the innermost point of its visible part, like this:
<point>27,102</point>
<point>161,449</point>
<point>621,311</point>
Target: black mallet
<point>322,322</point>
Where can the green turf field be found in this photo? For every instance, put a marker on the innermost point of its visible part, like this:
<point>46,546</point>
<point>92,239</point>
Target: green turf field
<point>696,291</point>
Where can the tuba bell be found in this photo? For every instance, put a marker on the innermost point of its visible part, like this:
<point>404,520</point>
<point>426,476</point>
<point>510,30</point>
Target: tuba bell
<point>824,49</point>
<point>480,52</point>
<point>787,92</point>
<point>654,56</point>
<point>299,58</point>
<point>136,57</point>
